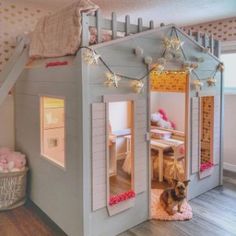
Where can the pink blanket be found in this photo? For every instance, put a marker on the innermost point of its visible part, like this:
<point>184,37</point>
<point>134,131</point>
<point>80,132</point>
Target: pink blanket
<point>59,34</point>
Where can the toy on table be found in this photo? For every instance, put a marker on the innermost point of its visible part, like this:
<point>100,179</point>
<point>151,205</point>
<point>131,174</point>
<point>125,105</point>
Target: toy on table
<point>161,119</point>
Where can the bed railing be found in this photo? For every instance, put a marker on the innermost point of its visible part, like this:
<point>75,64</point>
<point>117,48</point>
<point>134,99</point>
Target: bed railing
<point>126,28</point>
<point>206,41</point>
<point>112,25</point>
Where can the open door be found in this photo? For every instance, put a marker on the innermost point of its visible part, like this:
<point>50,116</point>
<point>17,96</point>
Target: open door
<point>169,129</point>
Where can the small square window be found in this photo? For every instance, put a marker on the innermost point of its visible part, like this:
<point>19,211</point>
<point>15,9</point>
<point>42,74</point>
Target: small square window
<point>53,129</point>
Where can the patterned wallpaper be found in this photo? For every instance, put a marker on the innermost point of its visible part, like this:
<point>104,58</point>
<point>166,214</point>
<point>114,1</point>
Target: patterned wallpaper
<point>223,30</point>
<point>15,18</point>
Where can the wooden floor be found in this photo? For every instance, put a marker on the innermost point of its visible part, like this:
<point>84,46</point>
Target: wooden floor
<point>27,220</point>
<point>214,215</point>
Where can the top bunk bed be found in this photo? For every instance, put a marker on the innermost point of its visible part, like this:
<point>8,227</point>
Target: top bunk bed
<point>88,28</point>
<point>97,29</point>
<point>81,25</point>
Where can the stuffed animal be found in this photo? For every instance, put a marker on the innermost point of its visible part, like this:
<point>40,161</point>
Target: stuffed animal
<point>160,119</point>
<point>17,159</point>
<point>11,161</point>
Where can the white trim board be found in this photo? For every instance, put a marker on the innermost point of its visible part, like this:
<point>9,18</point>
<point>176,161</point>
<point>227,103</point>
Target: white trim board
<point>230,167</point>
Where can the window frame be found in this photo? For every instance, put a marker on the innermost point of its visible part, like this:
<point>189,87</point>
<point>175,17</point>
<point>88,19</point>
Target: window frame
<point>229,47</point>
<point>42,154</point>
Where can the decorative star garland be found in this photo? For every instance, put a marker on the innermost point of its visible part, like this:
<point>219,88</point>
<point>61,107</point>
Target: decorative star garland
<point>173,49</point>
<point>138,86</point>
<point>91,57</point>
<point>112,80</point>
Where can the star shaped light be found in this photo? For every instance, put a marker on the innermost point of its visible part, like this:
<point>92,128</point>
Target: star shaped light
<point>167,43</point>
<point>160,68</point>
<point>176,43</point>
<point>220,67</point>
<point>112,80</point>
<point>198,84</point>
<point>211,81</point>
<point>138,86</point>
<point>190,67</point>
<point>173,43</point>
<point>91,57</point>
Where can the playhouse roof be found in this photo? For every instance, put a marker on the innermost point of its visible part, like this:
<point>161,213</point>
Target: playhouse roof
<point>159,33</point>
<point>151,42</point>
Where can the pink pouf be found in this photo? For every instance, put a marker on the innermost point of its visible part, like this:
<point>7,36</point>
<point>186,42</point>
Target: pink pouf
<point>159,213</point>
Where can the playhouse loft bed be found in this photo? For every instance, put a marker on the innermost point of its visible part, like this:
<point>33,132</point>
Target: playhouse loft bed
<point>19,58</point>
<point>77,195</point>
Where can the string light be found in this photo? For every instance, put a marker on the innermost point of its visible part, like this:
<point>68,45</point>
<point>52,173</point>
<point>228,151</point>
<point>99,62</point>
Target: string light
<point>220,67</point>
<point>211,81</point>
<point>190,66</point>
<point>172,49</point>
<point>176,43</point>
<point>198,84</point>
<point>138,86</point>
<point>91,57</point>
<point>112,80</point>
<point>172,43</point>
<point>159,68</point>
<point>167,43</point>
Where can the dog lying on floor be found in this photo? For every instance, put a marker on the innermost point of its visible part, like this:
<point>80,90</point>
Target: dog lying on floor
<point>174,196</point>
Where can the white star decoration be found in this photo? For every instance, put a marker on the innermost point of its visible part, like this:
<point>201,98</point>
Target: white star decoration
<point>112,80</point>
<point>211,81</point>
<point>91,57</point>
<point>176,43</point>
<point>190,67</point>
<point>198,84</point>
<point>138,86</point>
<point>220,67</point>
<point>160,68</point>
<point>173,43</point>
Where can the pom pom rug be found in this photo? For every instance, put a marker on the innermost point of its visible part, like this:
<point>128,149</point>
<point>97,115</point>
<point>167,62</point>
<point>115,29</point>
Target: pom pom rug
<point>158,213</point>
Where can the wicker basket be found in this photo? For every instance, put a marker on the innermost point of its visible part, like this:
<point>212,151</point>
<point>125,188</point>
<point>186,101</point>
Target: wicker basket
<point>12,189</point>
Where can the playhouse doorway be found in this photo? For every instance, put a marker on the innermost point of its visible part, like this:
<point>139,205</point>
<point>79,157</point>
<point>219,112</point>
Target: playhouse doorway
<point>168,130</point>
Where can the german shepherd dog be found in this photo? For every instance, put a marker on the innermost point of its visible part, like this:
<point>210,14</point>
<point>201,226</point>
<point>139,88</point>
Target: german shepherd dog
<point>174,196</point>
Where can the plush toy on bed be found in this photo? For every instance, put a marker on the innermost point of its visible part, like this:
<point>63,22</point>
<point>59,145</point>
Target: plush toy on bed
<point>11,161</point>
<point>160,119</point>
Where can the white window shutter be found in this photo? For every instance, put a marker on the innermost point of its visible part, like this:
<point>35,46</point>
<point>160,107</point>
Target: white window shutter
<point>98,156</point>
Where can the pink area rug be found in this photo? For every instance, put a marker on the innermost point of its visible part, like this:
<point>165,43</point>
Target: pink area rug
<point>159,213</point>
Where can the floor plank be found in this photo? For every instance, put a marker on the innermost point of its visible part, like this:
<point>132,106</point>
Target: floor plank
<point>27,220</point>
<point>214,214</point>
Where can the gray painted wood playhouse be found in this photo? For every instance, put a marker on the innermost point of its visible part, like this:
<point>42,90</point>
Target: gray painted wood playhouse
<point>67,118</point>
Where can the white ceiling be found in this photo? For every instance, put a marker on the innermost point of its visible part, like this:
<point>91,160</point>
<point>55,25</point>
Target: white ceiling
<point>181,12</point>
